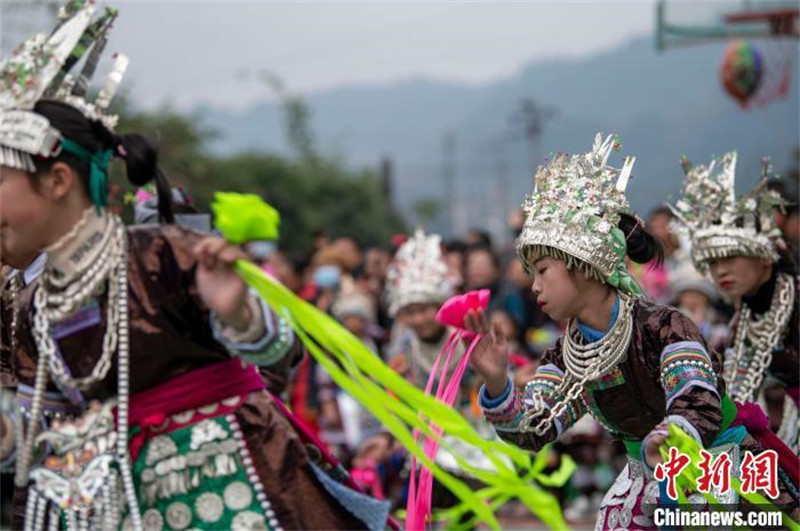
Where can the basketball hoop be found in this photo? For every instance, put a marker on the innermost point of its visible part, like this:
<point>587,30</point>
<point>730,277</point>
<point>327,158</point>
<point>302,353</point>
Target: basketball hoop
<point>782,22</point>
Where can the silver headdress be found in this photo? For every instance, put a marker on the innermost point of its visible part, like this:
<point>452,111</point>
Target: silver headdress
<point>574,211</point>
<point>719,224</point>
<point>418,273</point>
<point>39,69</point>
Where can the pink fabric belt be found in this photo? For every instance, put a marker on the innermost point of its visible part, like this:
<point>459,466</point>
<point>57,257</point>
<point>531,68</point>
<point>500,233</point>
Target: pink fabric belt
<point>752,417</point>
<point>152,408</point>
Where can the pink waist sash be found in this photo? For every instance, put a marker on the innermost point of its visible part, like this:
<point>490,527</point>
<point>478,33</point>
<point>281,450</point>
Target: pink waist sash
<point>151,408</point>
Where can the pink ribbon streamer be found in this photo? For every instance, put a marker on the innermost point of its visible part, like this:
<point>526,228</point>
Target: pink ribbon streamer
<point>420,490</point>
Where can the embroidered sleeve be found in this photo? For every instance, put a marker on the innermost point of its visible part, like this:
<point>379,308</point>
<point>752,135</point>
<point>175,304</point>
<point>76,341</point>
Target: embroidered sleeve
<point>265,341</point>
<point>690,388</point>
<point>685,365</point>
<point>506,411</point>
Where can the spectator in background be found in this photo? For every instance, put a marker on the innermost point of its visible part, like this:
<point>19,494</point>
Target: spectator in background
<point>515,221</point>
<point>695,295</point>
<point>454,258</point>
<point>478,238</point>
<point>350,253</point>
<point>586,444</point>
<point>327,273</point>
<point>376,264</point>
<point>482,271</point>
<point>654,277</point>
<point>791,227</point>
<point>324,280</point>
<point>321,239</point>
<point>345,424</point>
<point>288,269</point>
<point>659,223</point>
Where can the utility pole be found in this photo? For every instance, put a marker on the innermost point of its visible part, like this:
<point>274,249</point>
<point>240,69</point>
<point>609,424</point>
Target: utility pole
<point>531,116</point>
<point>501,176</point>
<point>386,172</point>
<point>449,181</point>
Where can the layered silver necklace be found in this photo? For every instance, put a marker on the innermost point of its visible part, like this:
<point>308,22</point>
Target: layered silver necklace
<point>59,297</point>
<point>755,340</point>
<point>584,362</point>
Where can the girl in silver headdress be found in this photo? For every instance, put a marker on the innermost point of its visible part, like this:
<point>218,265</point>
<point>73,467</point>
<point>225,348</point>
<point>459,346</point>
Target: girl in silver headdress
<point>636,366</point>
<point>738,242</point>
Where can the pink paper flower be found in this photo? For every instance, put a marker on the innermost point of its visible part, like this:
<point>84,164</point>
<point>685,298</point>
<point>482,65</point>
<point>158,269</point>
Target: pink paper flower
<point>454,310</point>
<point>143,195</point>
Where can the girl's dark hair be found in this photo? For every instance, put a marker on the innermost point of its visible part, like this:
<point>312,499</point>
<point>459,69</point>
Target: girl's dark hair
<point>141,158</point>
<point>642,246</point>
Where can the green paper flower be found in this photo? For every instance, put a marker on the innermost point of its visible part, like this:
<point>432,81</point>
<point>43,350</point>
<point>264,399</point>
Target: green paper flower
<point>245,217</point>
<point>627,284</point>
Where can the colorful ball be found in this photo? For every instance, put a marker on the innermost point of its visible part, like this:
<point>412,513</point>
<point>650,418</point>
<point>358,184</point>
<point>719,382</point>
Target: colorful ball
<point>742,70</point>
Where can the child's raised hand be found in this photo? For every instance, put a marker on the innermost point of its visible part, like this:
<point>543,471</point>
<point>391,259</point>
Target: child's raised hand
<point>490,357</point>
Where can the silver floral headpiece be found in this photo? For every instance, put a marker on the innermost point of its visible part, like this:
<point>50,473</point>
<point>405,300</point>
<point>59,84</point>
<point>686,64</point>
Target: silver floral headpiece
<point>574,211</point>
<point>418,273</point>
<point>719,224</point>
<point>40,69</point>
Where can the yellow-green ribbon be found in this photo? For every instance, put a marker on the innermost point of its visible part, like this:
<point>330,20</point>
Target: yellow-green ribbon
<point>402,407</point>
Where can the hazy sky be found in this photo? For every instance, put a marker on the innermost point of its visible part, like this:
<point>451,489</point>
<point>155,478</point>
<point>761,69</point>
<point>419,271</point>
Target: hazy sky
<point>191,53</point>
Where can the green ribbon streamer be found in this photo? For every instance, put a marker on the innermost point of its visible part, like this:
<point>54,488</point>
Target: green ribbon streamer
<point>405,407</point>
<point>729,411</point>
<point>398,405</point>
<point>98,170</point>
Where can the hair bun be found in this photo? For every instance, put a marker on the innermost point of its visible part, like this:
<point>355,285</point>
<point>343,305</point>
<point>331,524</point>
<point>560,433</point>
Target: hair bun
<point>141,158</point>
<point>642,246</point>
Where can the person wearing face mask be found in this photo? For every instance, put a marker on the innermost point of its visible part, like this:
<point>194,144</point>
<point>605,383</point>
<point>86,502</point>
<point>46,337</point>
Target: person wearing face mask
<point>636,366</point>
<point>327,274</point>
<point>737,241</point>
<point>323,282</point>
